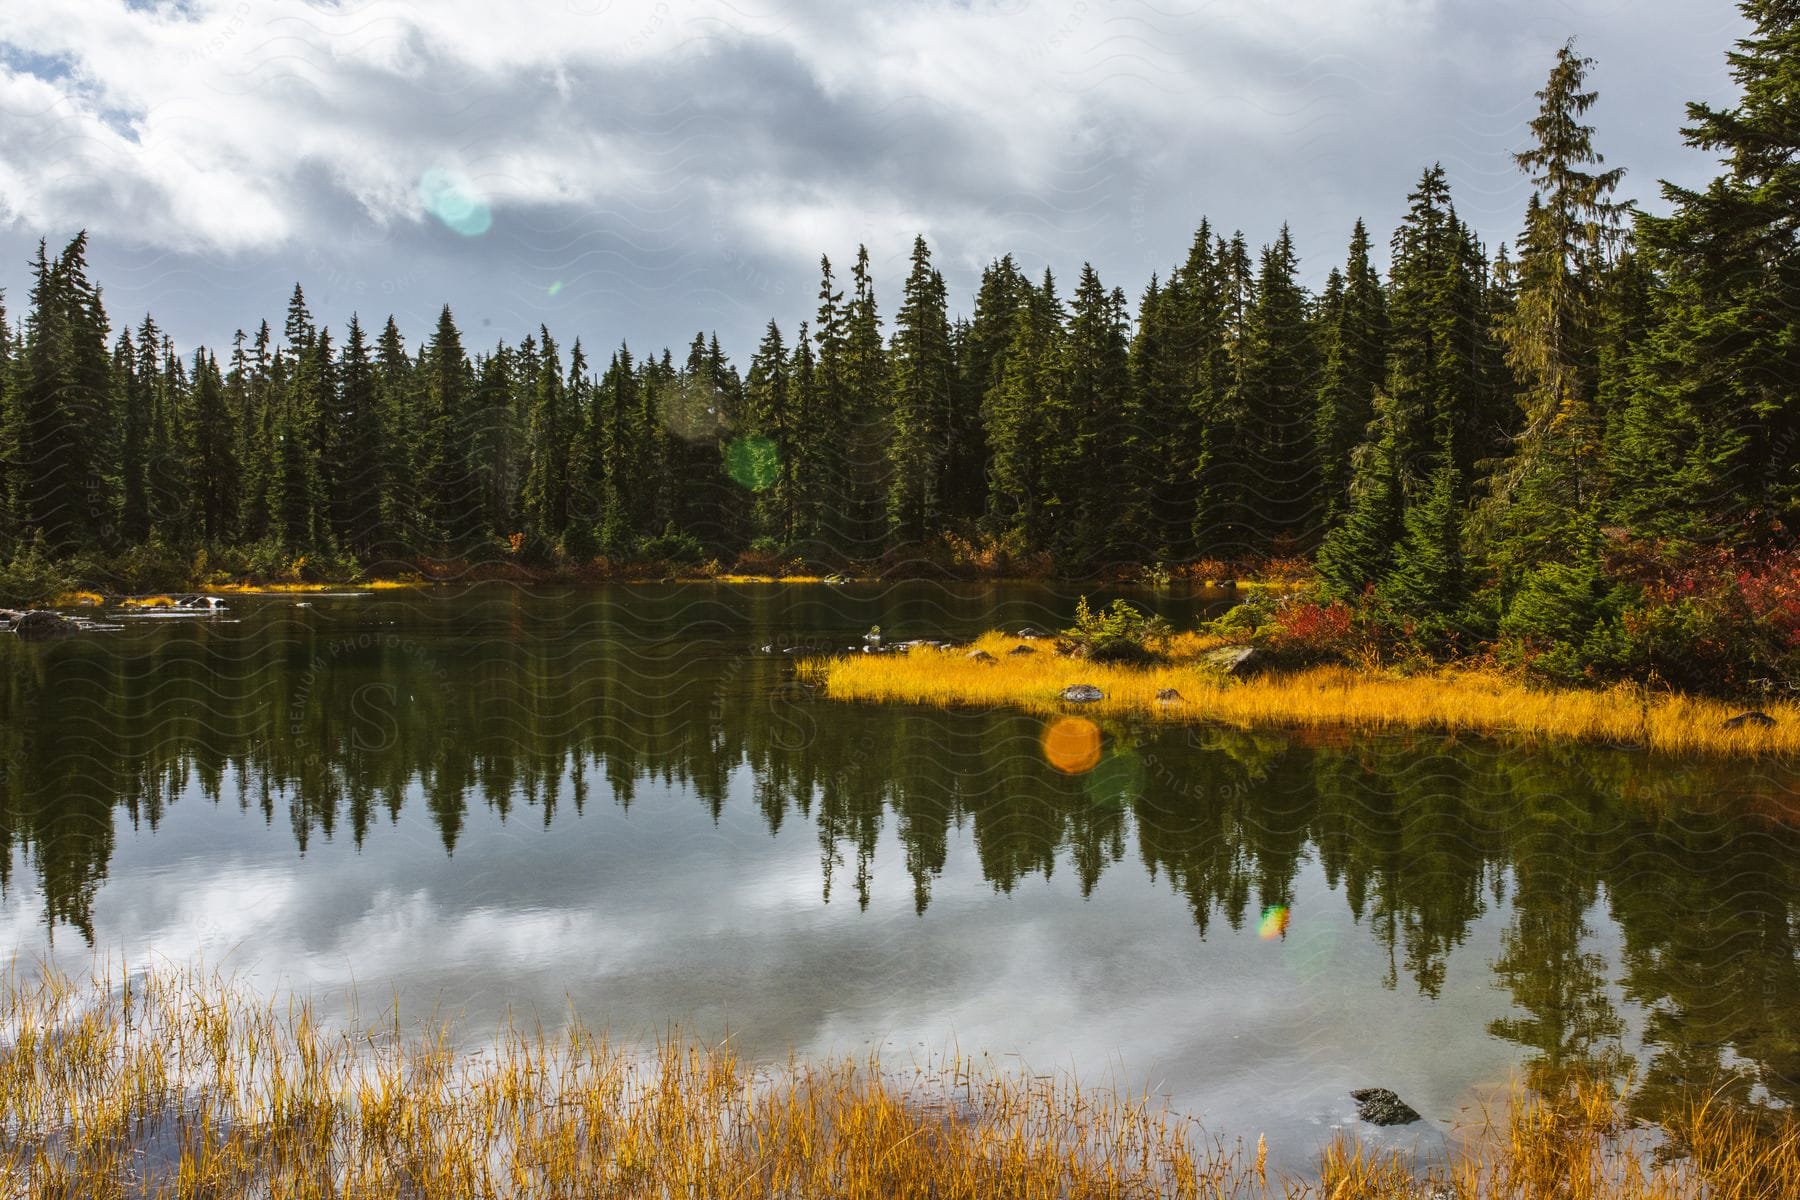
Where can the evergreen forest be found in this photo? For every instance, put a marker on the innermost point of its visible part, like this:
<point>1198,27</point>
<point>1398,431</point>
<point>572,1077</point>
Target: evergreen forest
<point>1579,451</point>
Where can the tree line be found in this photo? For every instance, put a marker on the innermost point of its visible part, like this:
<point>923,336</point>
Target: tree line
<point>1465,420</point>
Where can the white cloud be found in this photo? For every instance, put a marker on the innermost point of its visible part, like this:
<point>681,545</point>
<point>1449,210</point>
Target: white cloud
<point>709,150</point>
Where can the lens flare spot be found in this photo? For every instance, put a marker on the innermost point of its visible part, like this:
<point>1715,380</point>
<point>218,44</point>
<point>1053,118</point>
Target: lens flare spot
<point>1274,922</point>
<point>753,462</point>
<point>556,287</point>
<point>451,199</point>
<point>1072,745</point>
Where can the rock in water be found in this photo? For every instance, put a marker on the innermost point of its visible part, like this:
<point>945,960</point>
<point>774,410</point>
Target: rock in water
<point>1378,1106</point>
<point>1021,649</point>
<point>1030,633</point>
<point>1081,693</point>
<point>1236,661</point>
<point>1760,720</point>
<point>38,625</point>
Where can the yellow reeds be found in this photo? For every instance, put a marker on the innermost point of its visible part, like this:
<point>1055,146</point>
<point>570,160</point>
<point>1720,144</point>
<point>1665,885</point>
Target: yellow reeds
<point>174,1084</point>
<point>1472,701</point>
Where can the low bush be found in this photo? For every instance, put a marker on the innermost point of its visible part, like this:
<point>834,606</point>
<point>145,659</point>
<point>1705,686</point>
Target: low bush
<point>1120,633</point>
<point>30,578</point>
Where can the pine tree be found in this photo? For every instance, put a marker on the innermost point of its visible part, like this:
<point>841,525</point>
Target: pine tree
<point>1017,416</point>
<point>1359,552</point>
<point>1083,448</point>
<point>919,405</point>
<point>397,398</point>
<point>1427,580</point>
<point>765,461</point>
<point>453,487</point>
<point>866,389</point>
<point>1225,517</point>
<point>136,386</point>
<point>1572,228</point>
<point>66,407</point>
<point>1354,361</point>
<point>214,466</point>
<point>1276,393</point>
<point>359,439</point>
<point>1715,436</point>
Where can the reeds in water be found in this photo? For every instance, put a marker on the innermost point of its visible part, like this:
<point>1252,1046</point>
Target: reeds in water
<point>177,1085</point>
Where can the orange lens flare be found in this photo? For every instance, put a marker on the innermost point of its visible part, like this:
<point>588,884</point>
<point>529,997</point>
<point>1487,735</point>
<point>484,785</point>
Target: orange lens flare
<point>1274,922</point>
<point>1072,745</point>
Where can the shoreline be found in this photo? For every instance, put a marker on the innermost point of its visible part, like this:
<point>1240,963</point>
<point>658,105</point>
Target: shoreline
<point>174,1078</point>
<point>1449,701</point>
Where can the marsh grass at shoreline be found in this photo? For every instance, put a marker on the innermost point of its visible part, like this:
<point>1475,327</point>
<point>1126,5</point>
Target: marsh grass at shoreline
<point>1472,701</point>
<point>179,1084</point>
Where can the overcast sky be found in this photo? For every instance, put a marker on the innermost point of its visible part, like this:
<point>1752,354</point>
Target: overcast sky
<point>640,169</point>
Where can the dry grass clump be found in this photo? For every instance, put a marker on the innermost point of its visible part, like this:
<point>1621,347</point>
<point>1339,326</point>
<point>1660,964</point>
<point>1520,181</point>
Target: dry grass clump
<point>1471,701</point>
<point>173,1085</point>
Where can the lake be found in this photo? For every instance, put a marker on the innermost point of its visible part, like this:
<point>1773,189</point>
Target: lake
<point>617,803</point>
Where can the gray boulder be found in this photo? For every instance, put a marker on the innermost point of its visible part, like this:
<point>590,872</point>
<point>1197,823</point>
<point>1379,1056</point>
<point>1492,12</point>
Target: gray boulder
<point>1081,693</point>
<point>1379,1106</point>
<point>1758,720</point>
<point>980,656</point>
<point>1021,649</point>
<point>1236,661</point>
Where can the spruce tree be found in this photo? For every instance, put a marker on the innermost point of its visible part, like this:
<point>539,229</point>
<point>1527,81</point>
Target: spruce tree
<point>1715,435</point>
<point>765,460</point>
<point>919,405</point>
<point>1354,361</point>
<point>214,465</point>
<point>1572,228</point>
<point>359,438</point>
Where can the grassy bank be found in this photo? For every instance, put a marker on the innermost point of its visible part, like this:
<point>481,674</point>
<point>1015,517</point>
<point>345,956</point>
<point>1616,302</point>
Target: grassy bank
<point>173,1085</point>
<point>1449,700</point>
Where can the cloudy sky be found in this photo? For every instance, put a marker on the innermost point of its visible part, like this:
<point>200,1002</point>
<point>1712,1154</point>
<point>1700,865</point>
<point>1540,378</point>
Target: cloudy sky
<point>640,169</point>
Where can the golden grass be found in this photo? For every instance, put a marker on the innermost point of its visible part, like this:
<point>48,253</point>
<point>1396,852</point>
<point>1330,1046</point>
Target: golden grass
<point>175,1085</point>
<point>1471,701</point>
<point>272,589</point>
<point>147,602</point>
<point>78,599</point>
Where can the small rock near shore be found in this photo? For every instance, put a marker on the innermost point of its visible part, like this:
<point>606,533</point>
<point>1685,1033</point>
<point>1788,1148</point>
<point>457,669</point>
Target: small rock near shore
<point>1379,1106</point>
<point>980,656</point>
<point>1018,650</point>
<point>1081,693</point>
<point>1760,720</point>
<point>1169,696</point>
<point>1031,633</point>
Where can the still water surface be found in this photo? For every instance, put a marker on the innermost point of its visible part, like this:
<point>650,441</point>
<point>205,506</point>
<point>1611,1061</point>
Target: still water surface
<point>617,804</point>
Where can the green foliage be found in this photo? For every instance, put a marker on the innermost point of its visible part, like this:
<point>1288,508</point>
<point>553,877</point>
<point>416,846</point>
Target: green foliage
<point>1565,623</point>
<point>671,546</point>
<point>1119,633</point>
<point>31,577</point>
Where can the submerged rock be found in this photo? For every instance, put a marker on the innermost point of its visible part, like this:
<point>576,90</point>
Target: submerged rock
<point>1236,661</point>
<point>40,625</point>
<point>1379,1106</point>
<point>1760,720</point>
<point>1081,693</point>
